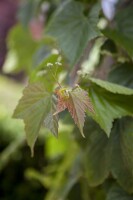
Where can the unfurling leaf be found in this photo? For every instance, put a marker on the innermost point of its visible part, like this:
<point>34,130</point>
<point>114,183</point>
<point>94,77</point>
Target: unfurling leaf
<point>35,106</point>
<point>77,102</point>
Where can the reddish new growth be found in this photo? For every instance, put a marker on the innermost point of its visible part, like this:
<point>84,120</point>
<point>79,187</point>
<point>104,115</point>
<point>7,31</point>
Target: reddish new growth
<point>76,101</point>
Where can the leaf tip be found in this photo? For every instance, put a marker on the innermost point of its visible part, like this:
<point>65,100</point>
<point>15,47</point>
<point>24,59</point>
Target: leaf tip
<point>82,133</point>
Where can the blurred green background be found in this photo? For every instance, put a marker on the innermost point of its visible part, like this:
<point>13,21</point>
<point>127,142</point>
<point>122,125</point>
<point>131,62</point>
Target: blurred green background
<point>22,48</point>
<point>62,168</point>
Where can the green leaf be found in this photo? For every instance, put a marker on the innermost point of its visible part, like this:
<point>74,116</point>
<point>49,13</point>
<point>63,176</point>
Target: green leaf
<point>27,11</point>
<point>125,22</point>
<point>122,33</point>
<point>51,121</point>
<point>72,29</point>
<point>43,74</point>
<point>123,41</point>
<point>112,87</point>
<point>110,101</point>
<point>22,46</point>
<point>117,193</point>
<point>122,153</point>
<point>33,108</point>
<point>97,153</point>
<point>122,74</point>
<point>109,107</point>
<point>109,155</point>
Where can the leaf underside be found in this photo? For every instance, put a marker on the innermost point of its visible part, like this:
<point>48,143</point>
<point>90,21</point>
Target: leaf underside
<point>51,120</point>
<point>34,108</point>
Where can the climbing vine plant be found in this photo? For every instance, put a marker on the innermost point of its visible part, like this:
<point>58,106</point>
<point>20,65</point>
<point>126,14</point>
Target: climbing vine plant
<point>88,71</point>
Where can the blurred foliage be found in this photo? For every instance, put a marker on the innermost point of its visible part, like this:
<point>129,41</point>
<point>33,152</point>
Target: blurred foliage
<point>14,156</point>
<point>76,34</point>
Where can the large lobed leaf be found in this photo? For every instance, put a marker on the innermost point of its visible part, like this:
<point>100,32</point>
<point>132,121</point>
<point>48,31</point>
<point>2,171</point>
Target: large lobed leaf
<point>97,153</point>
<point>112,87</point>
<point>34,107</point>
<point>122,74</point>
<point>104,156</point>
<point>117,193</point>
<point>122,33</point>
<point>72,29</point>
<point>110,101</point>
